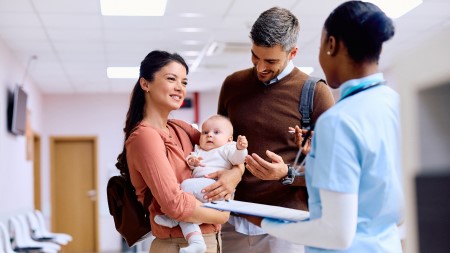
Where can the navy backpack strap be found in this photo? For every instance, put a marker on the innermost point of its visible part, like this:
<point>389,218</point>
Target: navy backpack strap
<point>306,102</point>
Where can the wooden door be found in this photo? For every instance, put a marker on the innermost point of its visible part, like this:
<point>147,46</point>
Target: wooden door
<point>74,191</point>
<point>37,171</point>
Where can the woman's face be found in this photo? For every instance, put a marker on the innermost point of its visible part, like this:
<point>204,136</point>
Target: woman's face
<point>168,88</point>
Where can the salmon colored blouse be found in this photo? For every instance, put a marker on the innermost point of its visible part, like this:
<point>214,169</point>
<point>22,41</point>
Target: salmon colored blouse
<point>157,160</point>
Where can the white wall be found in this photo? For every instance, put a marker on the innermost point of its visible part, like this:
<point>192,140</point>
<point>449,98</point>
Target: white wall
<point>16,180</point>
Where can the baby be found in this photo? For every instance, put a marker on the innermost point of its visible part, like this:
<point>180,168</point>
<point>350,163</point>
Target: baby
<point>217,151</point>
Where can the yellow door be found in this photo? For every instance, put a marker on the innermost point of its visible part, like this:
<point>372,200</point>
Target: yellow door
<point>74,191</point>
<point>37,171</point>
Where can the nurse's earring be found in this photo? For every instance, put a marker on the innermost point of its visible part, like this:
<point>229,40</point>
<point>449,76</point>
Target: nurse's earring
<point>328,53</point>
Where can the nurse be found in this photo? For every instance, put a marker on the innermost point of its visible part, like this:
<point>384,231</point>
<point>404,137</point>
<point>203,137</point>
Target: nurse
<point>353,169</point>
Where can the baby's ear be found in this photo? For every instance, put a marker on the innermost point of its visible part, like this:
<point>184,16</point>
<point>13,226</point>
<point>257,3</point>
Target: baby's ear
<point>230,139</point>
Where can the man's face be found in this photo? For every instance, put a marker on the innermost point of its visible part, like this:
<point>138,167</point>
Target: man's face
<point>269,62</point>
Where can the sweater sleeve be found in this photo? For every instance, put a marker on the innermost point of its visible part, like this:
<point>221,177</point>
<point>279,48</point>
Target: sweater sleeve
<point>323,99</point>
<point>334,230</point>
<point>146,154</point>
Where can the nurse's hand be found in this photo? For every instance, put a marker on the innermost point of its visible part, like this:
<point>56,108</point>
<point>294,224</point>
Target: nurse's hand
<point>264,170</point>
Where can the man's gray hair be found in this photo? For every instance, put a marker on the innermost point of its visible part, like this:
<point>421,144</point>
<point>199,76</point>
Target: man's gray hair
<point>276,26</point>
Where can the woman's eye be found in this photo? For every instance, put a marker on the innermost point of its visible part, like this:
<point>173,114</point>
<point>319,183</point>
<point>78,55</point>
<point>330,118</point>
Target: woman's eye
<point>171,78</point>
<point>185,83</point>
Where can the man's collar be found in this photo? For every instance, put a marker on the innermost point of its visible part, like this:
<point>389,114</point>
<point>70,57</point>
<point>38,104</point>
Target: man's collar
<point>288,69</point>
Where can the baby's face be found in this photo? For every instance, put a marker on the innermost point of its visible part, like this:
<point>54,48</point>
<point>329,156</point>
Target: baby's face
<point>215,133</point>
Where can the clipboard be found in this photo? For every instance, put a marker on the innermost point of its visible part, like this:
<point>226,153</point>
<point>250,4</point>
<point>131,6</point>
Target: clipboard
<point>260,210</point>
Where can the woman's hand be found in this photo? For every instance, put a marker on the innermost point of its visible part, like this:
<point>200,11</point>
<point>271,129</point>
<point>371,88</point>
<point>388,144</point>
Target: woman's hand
<point>226,183</point>
<point>265,170</point>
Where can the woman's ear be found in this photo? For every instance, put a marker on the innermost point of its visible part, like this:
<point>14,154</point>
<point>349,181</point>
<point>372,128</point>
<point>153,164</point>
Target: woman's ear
<point>144,84</point>
<point>332,46</point>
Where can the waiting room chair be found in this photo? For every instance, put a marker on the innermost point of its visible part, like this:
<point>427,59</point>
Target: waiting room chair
<point>44,232</point>
<point>38,233</point>
<point>22,241</point>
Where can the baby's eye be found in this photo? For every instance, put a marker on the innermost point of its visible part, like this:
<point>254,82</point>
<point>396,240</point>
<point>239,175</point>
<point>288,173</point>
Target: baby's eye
<point>205,132</point>
<point>216,132</point>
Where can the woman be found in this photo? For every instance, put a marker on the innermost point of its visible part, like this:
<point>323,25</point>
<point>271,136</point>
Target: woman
<point>154,152</point>
<point>353,168</point>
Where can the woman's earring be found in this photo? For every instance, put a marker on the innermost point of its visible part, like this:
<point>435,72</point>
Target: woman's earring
<point>328,53</point>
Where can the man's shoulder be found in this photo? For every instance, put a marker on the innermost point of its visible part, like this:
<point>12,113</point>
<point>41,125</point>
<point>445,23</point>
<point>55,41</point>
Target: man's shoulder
<point>240,74</point>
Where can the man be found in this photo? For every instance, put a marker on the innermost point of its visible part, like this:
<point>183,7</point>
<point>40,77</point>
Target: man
<point>262,103</point>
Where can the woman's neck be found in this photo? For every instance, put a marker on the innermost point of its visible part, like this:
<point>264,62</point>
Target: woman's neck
<point>358,70</point>
<point>156,119</point>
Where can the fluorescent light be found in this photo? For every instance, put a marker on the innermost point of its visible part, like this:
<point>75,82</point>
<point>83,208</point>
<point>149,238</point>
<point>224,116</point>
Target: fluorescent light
<point>396,8</point>
<point>190,30</point>
<point>306,70</point>
<point>123,72</point>
<point>191,15</point>
<point>133,7</point>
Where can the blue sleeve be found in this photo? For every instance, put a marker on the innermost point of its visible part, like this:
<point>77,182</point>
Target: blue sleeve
<point>337,160</point>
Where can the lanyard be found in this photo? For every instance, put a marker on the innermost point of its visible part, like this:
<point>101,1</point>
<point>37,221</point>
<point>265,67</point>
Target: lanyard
<point>360,89</point>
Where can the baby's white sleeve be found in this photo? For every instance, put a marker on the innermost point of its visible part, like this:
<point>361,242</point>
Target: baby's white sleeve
<point>334,230</point>
<point>236,156</point>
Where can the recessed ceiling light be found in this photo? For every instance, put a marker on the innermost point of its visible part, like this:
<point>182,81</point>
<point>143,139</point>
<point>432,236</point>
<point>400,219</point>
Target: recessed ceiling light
<point>396,8</point>
<point>190,30</point>
<point>191,15</point>
<point>123,72</point>
<point>133,7</point>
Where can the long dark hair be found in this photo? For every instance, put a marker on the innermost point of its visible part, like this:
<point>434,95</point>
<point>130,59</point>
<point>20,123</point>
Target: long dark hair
<point>362,27</point>
<point>151,64</point>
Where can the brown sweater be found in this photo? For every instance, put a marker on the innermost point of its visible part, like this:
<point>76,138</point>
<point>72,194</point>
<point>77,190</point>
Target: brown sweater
<point>263,114</point>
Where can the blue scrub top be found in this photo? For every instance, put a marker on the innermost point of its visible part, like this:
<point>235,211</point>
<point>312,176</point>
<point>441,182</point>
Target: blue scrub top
<point>356,149</point>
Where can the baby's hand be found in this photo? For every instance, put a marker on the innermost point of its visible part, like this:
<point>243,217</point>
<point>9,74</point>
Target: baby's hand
<point>241,142</point>
<point>195,161</point>
<point>299,134</point>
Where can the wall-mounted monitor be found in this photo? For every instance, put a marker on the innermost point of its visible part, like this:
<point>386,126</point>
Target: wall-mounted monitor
<point>17,111</point>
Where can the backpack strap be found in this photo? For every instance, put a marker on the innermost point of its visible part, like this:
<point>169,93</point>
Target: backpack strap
<point>306,102</point>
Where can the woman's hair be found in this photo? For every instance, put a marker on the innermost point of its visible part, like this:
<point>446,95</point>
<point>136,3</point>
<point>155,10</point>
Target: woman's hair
<point>362,27</point>
<point>151,64</point>
<point>276,26</point>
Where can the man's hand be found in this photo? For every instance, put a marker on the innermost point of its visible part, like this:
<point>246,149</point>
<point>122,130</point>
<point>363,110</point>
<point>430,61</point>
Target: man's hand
<point>241,142</point>
<point>264,170</point>
<point>226,183</point>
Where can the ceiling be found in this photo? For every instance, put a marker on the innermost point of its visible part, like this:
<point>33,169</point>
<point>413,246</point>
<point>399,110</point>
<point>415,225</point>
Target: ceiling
<point>74,43</point>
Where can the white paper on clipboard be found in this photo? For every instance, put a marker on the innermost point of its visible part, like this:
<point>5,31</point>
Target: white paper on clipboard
<point>261,210</point>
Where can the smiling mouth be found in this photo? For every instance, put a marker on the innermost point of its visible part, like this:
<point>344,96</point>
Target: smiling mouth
<point>178,98</point>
